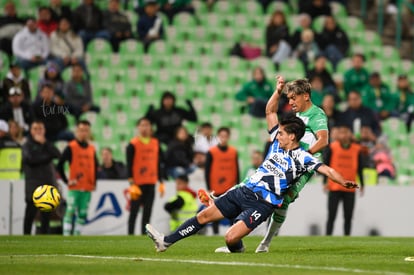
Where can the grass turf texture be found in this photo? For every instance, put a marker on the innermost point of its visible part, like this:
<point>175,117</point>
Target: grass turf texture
<point>195,255</point>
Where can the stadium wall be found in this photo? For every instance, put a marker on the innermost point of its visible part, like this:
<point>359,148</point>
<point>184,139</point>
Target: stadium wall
<point>383,210</point>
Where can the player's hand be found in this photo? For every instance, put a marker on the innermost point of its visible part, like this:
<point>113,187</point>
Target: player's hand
<point>134,192</point>
<point>161,189</point>
<point>350,185</point>
<point>280,84</point>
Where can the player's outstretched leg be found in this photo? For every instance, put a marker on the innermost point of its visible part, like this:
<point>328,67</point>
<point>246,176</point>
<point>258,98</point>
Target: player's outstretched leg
<point>276,222</point>
<point>279,215</point>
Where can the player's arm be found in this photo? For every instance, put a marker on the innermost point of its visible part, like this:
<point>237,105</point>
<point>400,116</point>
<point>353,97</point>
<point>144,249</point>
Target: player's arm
<point>335,176</point>
<point>322,140</point>
<point>273,104</point>
<point>66,157</point>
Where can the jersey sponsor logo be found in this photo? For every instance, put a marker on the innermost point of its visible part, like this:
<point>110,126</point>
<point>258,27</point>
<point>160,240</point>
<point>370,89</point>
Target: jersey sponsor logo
<point>186,231</point>
<point>273,169</point>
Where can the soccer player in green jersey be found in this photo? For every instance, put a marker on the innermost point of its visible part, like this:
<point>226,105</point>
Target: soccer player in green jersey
<point>315,139</point>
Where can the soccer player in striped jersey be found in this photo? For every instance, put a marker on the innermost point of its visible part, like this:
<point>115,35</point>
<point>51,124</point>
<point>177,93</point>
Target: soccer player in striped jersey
<point>252,203</point>
<point>315,139</point>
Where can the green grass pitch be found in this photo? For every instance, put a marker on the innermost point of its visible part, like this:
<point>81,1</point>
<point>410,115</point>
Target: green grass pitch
<point>195,255</point>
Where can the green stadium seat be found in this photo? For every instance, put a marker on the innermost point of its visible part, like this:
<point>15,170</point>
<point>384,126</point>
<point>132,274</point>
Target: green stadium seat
<point>200,7</point>
<point>317,23</point>
<point>292,68</point>
<point>344,65</point>
<point>159,47</point>
<point>249,8</point>
<point>278,6</point>
<point>184,19</point>
<point>99,45</point>
<point>338,9</point>
<point>4,64</point>
<point>406,67</point>
<point>224,8</point>
<point>351,23</point>
<point>131,46</point>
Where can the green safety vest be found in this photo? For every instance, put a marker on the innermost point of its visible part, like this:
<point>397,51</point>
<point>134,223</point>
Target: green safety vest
<point>10,163</point>
<point>188,210</point>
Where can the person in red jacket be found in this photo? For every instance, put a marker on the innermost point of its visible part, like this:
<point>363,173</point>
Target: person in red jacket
<point>45,22</point>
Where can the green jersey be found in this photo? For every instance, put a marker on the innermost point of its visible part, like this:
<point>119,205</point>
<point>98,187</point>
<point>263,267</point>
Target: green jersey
<point>315,120</point>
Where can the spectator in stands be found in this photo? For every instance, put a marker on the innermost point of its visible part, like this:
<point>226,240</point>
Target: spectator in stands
<point>10,24</point>
<point>16,132</point>
<point>277,38</point>
<point>222,167</point>
<point>53,77</point>
<point>88,22</point>
<point>17,109</point>
<point>172,7</point>
<point>169,117</point>
<point>78,93</point>
<point>332,113</point>
<point>319,69</point>
<point>256,159</point>
<point>356,77</point>
<point>179,156</point>
<point>30,46</point>
<point>183,205</point>
<point>333,41</point>
<point>382,158</point>
<point>110,168</point>
<point>50,110</point>
<point>256,93</point>
<point>15,78</point>
<point>38,156</point>
<point>305,22</point>
<point>376,95</point>
<point>405,96</point>
<point>59,10</point>
<point>318,91</point>
<point>45,22</point>
<point>358,115</point>
<point>203,141</point>
<point>117,24</point>
<point>307,49</point>
<point>315,8</point>
<point>67,47</point>
<point>149,25</point>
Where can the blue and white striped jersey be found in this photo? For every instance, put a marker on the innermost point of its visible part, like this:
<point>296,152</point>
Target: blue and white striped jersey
<point>279,170</point>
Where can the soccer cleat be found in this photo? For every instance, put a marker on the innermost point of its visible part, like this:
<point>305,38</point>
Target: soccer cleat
<point>157,237</point>
<point>225,249</point>
<point>204,197</point>
<point>262,248</point>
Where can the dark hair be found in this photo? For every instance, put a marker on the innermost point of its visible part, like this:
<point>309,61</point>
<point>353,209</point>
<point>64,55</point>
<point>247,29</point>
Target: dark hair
<point>47,85</point>
<point>224,129</point>
<point>183,177</point>
<point>299,87</point>
<point>206,125</point>
<point>83,122</point>
<point>360,55</point>
<point>107,149</point>
<point>167,94</point>
<point>43,8</point>
<point>341,123</point>
<point>37,121</point>
<point>142,119</point>
<point>293,125</point>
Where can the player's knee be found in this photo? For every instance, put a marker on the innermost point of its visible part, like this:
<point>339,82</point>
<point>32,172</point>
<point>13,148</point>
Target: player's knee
<point>202,217</point>
<point>231,238</point>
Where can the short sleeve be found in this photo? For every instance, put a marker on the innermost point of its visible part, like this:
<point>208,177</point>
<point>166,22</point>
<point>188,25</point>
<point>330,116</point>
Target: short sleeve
<point>273,132</point>
<point>318,123</point>
<point>310,162</point>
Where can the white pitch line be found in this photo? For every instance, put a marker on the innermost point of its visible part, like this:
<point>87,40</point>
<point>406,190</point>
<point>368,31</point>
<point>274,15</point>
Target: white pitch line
<point>305,267</point>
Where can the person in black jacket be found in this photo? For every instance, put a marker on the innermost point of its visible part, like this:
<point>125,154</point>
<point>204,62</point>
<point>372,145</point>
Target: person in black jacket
<point>88,22</point>
<point>59,10</point>
<point>110,168</point>
<point>17,109</point>
<point>169,117</point>
<point>180,154</point>
<point>358,115</point>
<point>52,115</point>
<point>333,41</point>
<point>150,26</point>
<point>38,154</point>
